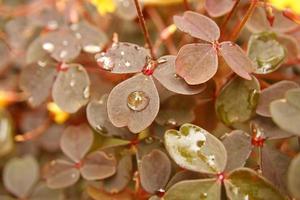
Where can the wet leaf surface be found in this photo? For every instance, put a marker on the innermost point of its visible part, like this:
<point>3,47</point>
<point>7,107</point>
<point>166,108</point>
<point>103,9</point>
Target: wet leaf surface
<point>209,189</point>
<point>155,171</point>
<point>165,73</point>
<point>71,89</point>
<point>266,52</point>
<point>133,103</point>
<point>237,100</point>
<point>62,45</point>
<point>91,39</point>
<point>195,149</point>
<point>61,174</point>
<point>36,80</point>
<point>123,58</point>
<point>98,118</point>
<point>245,183</point>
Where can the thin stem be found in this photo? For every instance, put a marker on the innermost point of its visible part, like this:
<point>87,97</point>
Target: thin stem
<point>144,28</point>
<point>186,4</point>
<point>240,26</point>
<point>33,133</point>
<point>160,25</point>
<point>228,17</point>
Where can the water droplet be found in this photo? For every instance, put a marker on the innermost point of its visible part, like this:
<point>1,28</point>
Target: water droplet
<point>149,140</point>
<point>86,92</point>
<point>104,61</point>
<point>127,64</point>
<point>122,53</point>
<point>203,195</point>
<point>65,42</point>
<point>171,122</point>
<point>72,83</point>
<point>63,54</point>
<point>211,160</point>
<point>160,192</point>
<point>48,46</point>
<point>78,36</point>
<point>52,25</point>
<point>92,48</point>
<point>42,63</point>
<point>101,129</point>
<point>137,101</point>
<point>74,27</point>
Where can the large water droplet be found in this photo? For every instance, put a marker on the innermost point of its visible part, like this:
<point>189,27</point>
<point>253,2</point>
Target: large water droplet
<point>137,100</point>
<point>104,61</point>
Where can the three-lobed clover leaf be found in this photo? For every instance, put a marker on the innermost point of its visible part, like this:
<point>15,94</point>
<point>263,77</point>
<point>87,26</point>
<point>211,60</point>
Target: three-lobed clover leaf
<point>135,102</point>
<point>21,176</point>
<point>75,143</point>
<point>195,149</point>
<point>197,63</point>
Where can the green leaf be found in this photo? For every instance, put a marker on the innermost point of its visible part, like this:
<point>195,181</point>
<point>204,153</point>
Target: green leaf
<point>244,183</point>
<point>293,97</point>
<point>237,100</point>
<point>195,149</point>
<point>266,52</point>
<point>293,177</point>
<point>201,189</point>
<point>42,192</point>
<point>20,175</point>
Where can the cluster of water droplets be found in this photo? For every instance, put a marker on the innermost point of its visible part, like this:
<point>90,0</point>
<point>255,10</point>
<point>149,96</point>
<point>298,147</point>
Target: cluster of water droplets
<point>104,61</point>
<point>137,100</point>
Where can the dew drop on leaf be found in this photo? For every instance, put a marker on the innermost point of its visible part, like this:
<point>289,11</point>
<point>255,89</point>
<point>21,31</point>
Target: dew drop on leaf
<point>137,100</point>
